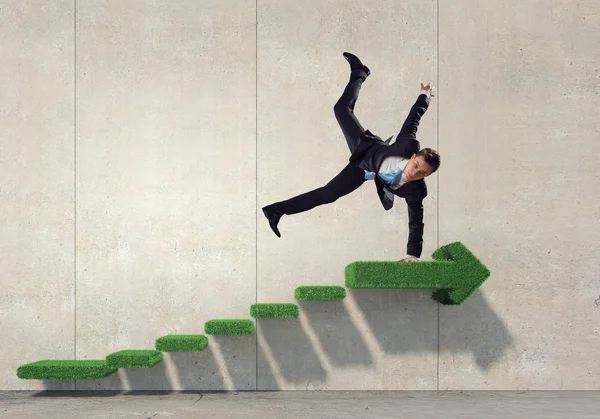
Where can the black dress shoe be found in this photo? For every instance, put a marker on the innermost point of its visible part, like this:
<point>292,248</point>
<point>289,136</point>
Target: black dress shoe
<point>273,218</point>
<point>355,63</point>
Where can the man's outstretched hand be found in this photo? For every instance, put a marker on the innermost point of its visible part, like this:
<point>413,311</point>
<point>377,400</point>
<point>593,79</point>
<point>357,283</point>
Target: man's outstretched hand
<point>410,259</point>
<point>429,88</point>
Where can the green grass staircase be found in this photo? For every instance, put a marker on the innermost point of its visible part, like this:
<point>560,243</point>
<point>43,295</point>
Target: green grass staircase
<point>455,273</point>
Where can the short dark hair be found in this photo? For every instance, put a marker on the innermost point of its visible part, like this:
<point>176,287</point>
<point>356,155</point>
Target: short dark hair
<point>431,157</point>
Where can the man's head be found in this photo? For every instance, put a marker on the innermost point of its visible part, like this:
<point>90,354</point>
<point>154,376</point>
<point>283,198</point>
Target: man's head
<point>422,164</point>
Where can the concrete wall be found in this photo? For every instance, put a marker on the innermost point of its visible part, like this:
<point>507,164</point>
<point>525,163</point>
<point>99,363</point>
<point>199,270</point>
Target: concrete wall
<point>140,139</point>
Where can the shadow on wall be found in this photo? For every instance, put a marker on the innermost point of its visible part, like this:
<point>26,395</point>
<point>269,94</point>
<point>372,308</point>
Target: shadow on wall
<point>228,363</point>
<point>286,347</point>
<point>290,354</point>
<point>402,321</point>
<point>406,322</point>
<point>339,337</point>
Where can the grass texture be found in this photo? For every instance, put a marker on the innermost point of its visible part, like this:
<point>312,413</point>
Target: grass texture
<point>88,369</point>
<point>65,370</point>
<point>274,311</point>
<point>181,343</point>
<point>320,293</point>
<point>233,327</point>
<point>134,359</point>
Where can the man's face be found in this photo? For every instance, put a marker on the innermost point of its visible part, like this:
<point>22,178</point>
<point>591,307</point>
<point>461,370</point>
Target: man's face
<point>417,168</point>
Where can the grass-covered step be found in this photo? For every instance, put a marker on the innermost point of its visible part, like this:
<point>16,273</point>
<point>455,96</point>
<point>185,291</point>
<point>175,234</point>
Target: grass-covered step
<point>85,369</point>
<point>274,311</point>
<point>455,272</point>
<point>181,343</point>
<point>229,327</point>
<point>134,359</point>
<point>320,293</point>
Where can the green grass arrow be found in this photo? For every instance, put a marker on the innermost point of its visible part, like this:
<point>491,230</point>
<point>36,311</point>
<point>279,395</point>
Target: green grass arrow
<point>455,272</point>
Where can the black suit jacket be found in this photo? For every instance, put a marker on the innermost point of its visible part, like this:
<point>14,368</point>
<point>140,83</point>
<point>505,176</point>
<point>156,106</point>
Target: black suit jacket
<point>370,153</point>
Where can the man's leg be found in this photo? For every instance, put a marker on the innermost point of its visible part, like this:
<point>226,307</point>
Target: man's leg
<point>344,110</point>
<point>351,177</point>
<point>348,180</point>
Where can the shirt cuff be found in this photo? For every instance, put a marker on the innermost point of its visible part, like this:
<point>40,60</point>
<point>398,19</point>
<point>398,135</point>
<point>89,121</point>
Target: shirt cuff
<point>426,92</point>
<point>411,256</point>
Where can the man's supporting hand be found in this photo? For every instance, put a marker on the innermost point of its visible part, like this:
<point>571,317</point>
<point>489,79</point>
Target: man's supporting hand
<point>409,259</point>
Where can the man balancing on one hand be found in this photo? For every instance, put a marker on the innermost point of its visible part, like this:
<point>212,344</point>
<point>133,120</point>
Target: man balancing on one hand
<point>397,169</point>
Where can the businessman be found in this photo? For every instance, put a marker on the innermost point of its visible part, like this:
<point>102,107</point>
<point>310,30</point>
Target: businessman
<point>397,169</point>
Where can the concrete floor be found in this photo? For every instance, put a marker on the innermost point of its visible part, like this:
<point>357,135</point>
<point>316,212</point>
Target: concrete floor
<point>302,405</point>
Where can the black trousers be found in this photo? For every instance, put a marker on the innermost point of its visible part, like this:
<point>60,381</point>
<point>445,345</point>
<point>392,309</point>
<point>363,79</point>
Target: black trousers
<point>351,177</point>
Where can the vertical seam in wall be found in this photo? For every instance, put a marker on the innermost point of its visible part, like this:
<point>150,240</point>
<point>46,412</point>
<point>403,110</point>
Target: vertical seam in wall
<point>256,185</point>
<point>75,184</point>
<point>438,183</point>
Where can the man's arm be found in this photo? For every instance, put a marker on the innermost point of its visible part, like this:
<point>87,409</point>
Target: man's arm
<point>417,111</point>
<point>414,247</point>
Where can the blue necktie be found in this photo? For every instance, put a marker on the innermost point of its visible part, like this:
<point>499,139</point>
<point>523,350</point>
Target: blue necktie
<point>387,178</point>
